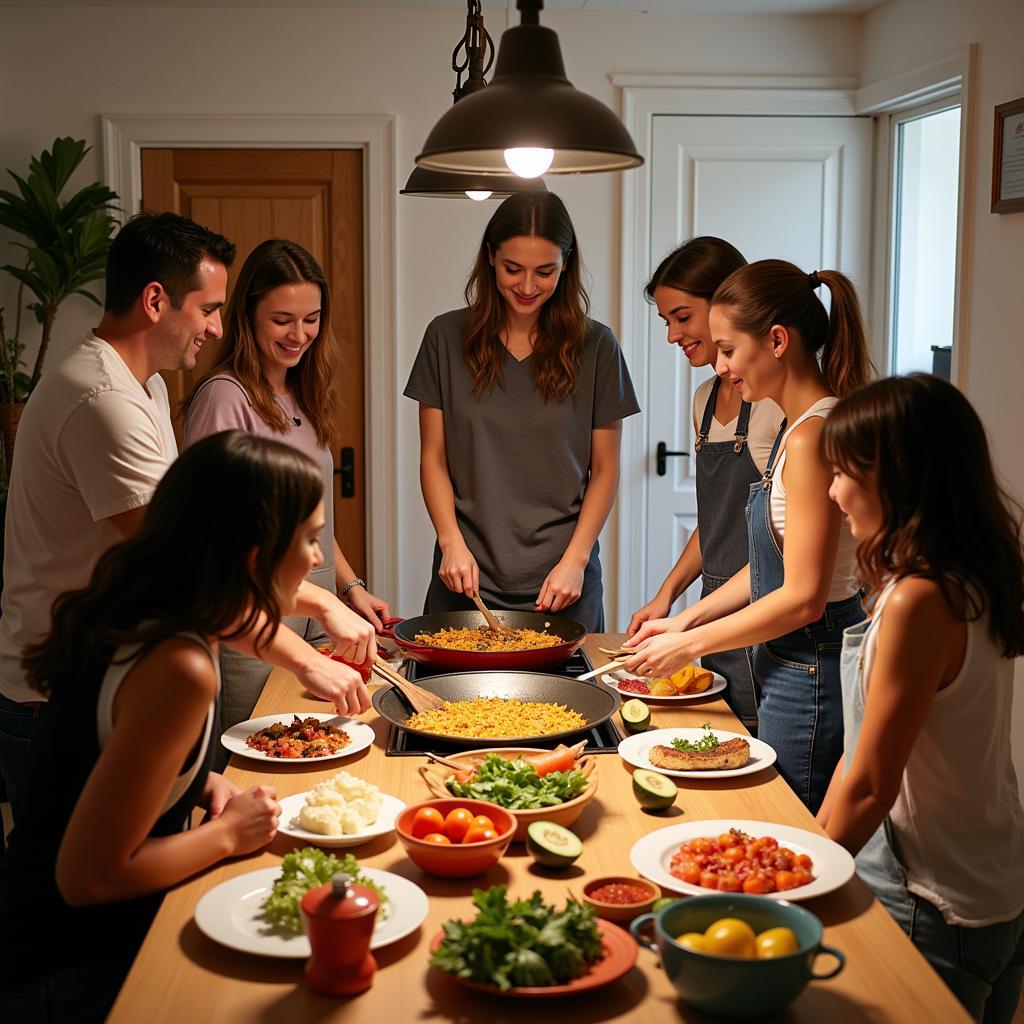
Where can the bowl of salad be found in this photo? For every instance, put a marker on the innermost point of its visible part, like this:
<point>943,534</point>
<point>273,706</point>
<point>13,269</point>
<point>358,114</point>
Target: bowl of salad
<point>535,784</point>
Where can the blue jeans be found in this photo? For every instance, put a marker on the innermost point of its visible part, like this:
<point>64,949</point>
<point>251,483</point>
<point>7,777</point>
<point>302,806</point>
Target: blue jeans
<point>983,967</point>
<point>801,710</point>
<point>18,724</point>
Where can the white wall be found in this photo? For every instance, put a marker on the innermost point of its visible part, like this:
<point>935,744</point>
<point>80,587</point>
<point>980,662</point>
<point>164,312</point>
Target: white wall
<point>64,67</point>
<point>907,33</point>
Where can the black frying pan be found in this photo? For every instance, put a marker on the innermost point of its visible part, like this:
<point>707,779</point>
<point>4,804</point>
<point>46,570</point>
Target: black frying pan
<point>595,703</point>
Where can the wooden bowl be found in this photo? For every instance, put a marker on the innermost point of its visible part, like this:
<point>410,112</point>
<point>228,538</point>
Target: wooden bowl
<point>434,776</point>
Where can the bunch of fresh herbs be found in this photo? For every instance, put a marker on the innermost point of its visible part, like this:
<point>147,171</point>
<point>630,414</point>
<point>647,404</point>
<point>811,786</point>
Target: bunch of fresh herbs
<point>525,942</point>
<point>707,742</point>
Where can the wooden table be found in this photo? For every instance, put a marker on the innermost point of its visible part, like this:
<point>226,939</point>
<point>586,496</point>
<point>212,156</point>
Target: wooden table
<point>180,975</point>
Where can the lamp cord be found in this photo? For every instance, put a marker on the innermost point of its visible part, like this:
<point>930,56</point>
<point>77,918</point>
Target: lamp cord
<point>475,47</point>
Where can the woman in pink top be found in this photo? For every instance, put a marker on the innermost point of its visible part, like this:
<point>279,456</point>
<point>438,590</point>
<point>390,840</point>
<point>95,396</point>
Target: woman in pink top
<point>276,377</point>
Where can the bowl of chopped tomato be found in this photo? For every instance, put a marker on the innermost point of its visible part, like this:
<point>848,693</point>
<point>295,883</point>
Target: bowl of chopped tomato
<point>620,898</point>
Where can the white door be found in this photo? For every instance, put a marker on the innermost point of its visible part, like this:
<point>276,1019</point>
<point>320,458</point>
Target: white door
<point>792,188</point>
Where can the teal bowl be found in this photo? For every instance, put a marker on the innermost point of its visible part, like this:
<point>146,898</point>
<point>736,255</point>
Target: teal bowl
<point>729,986</point>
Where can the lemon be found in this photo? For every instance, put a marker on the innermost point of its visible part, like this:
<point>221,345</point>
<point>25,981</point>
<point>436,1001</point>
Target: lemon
<point>730,936</point>
<point>694,941</point>
<point>776,942</point>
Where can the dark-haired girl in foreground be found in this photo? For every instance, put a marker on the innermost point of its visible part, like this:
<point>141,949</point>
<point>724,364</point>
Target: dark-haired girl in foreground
<point>123,754</point>
<point>926,793</point>
<point>521,401</point>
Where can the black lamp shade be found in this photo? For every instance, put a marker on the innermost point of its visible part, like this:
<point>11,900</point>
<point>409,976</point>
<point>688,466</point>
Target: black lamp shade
<point>452,185</point>
<point>529,103</point>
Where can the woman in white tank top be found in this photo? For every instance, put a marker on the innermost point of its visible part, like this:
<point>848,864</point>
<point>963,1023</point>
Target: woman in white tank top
<point>926,795</point>
<point>793,599</point>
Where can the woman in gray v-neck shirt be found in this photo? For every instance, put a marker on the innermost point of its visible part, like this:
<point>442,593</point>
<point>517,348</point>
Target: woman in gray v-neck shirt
<point>521,400</point>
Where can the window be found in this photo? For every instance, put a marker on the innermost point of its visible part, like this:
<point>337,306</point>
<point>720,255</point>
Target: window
<point>926,165</point>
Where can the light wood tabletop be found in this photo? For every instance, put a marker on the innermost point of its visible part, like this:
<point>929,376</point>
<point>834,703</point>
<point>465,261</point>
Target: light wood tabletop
<point>182,976</point>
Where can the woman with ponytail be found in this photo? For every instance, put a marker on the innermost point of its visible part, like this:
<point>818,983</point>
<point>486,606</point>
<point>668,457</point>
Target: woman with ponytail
<point>734,440</point>
<point>798,591</point>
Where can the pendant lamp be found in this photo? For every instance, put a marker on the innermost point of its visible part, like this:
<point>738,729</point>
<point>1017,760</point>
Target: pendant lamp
<point>477,55</point>
<point>529,119</point>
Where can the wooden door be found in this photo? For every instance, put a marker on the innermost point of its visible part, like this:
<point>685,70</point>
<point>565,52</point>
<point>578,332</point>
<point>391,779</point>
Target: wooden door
<point>792,188</point>
<point>313,197</point>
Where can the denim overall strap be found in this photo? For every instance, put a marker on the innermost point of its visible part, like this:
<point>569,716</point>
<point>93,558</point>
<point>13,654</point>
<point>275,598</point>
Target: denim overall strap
<point>725,472</point>
<point>800,714</point>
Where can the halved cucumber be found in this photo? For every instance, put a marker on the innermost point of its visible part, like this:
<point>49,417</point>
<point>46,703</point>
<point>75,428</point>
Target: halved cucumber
<point>636,715</point>
<point>653,791</point>
<point>551,845</point>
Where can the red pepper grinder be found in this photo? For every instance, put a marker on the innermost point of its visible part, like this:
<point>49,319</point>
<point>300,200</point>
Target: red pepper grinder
<point>339,919</point>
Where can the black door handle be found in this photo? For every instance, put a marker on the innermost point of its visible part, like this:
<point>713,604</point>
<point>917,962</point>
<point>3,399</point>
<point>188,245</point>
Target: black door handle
<point>661,455</point>
<point>347,471</point>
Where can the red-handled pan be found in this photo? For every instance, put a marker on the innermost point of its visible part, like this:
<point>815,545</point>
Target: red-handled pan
<point>404,632</point>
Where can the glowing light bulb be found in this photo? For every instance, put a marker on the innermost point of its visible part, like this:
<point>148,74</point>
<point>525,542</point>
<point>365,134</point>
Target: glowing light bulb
<point>478,196</point>
<point>529,162</point>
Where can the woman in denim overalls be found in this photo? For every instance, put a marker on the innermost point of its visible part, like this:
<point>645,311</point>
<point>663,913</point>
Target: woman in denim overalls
<point>796,595</point>
<point>726,466</point>
<point>926,795</point>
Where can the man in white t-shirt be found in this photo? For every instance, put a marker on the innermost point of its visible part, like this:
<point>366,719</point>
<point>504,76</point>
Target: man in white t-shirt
<point>92,445</point>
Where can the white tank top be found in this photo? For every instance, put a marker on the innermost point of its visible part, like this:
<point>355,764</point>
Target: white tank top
<point>844,574</point>
<point>124,660</point>
<point>958,817</point>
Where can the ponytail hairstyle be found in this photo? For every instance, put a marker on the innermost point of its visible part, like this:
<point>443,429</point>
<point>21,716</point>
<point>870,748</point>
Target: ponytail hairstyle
<point>917,441</point>
<point>273,263</point>
<point>562,325</point>
<point>697,267</point>
<point>205,559</point>
<point>772,293</point>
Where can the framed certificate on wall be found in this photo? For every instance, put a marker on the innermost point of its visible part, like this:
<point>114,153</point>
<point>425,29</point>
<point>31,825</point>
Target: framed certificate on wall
<point>1008,158</point>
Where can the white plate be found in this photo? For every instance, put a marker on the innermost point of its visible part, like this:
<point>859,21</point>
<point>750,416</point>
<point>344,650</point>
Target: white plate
<point>634,751</point>
<point>833,865</point>
<point>230,914</point>
<point>289,825</point>
<point>612,679</point>
<point>234,739</point>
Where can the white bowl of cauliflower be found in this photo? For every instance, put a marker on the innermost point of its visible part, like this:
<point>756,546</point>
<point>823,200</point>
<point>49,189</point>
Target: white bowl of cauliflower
<point>340,811</point>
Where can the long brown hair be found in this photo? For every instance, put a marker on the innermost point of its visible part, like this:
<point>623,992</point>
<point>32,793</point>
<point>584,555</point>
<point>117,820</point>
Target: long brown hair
<point>767,293</point>
<point>920,444</point>
<point>250,494</point>
<point>312,382</point>
<point>697,267</point>
<point>562,326</point>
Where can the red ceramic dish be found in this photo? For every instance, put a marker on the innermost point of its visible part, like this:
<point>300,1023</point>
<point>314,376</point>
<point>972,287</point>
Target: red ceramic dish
<point>463,859</point>
<point>620,911</point>
<point>620,955</point>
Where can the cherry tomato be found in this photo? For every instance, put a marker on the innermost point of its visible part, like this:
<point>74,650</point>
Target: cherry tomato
<point>479,834</point>
<point>734,855</point>
<point>803,861</point>
<point>728,839</point>
<point>482,821</point>
<point>785,880</point>
<point>438,839</point>
<point>758,883</point>
<point>709,880</point>
<point>456,825</point>
<point>728,882</point>
<point>427,820</point>
<point>690,872</point>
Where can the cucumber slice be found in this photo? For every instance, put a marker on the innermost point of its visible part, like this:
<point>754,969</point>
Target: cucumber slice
<point>653,791</point>
<point>636,715</point>
<point>551,845</point>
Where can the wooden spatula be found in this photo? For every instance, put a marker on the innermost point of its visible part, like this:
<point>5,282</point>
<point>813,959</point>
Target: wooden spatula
<point>492,620</point>
<point>419,699</point>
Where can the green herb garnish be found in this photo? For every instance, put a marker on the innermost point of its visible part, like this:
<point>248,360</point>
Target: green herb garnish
<point>525,942</point>
<point>707,742</point>
<point>517,786</point>
<point>303,870</point>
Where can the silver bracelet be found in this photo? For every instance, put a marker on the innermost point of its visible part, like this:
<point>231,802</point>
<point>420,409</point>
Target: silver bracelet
<point>357,582</point>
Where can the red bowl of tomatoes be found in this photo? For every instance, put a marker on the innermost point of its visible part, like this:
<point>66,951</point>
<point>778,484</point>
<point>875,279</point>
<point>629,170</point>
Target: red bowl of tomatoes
<point>455,838</point>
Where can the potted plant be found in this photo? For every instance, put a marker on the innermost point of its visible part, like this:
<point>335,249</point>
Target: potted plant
<point>66,249</point>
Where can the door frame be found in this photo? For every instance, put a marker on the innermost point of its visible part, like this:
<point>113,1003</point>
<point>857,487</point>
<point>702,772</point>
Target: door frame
<point>125,135</point>
<point>643,98</point>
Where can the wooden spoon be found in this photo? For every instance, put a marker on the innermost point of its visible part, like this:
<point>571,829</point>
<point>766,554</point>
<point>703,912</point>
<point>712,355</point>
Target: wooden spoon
<point>492,620</point>
<point>419,699</point>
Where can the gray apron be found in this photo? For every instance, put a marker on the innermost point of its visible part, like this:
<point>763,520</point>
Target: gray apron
<point>725,472</point>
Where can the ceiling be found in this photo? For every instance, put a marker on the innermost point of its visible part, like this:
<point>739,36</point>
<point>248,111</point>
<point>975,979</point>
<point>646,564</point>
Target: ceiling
<point>619,6</point>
